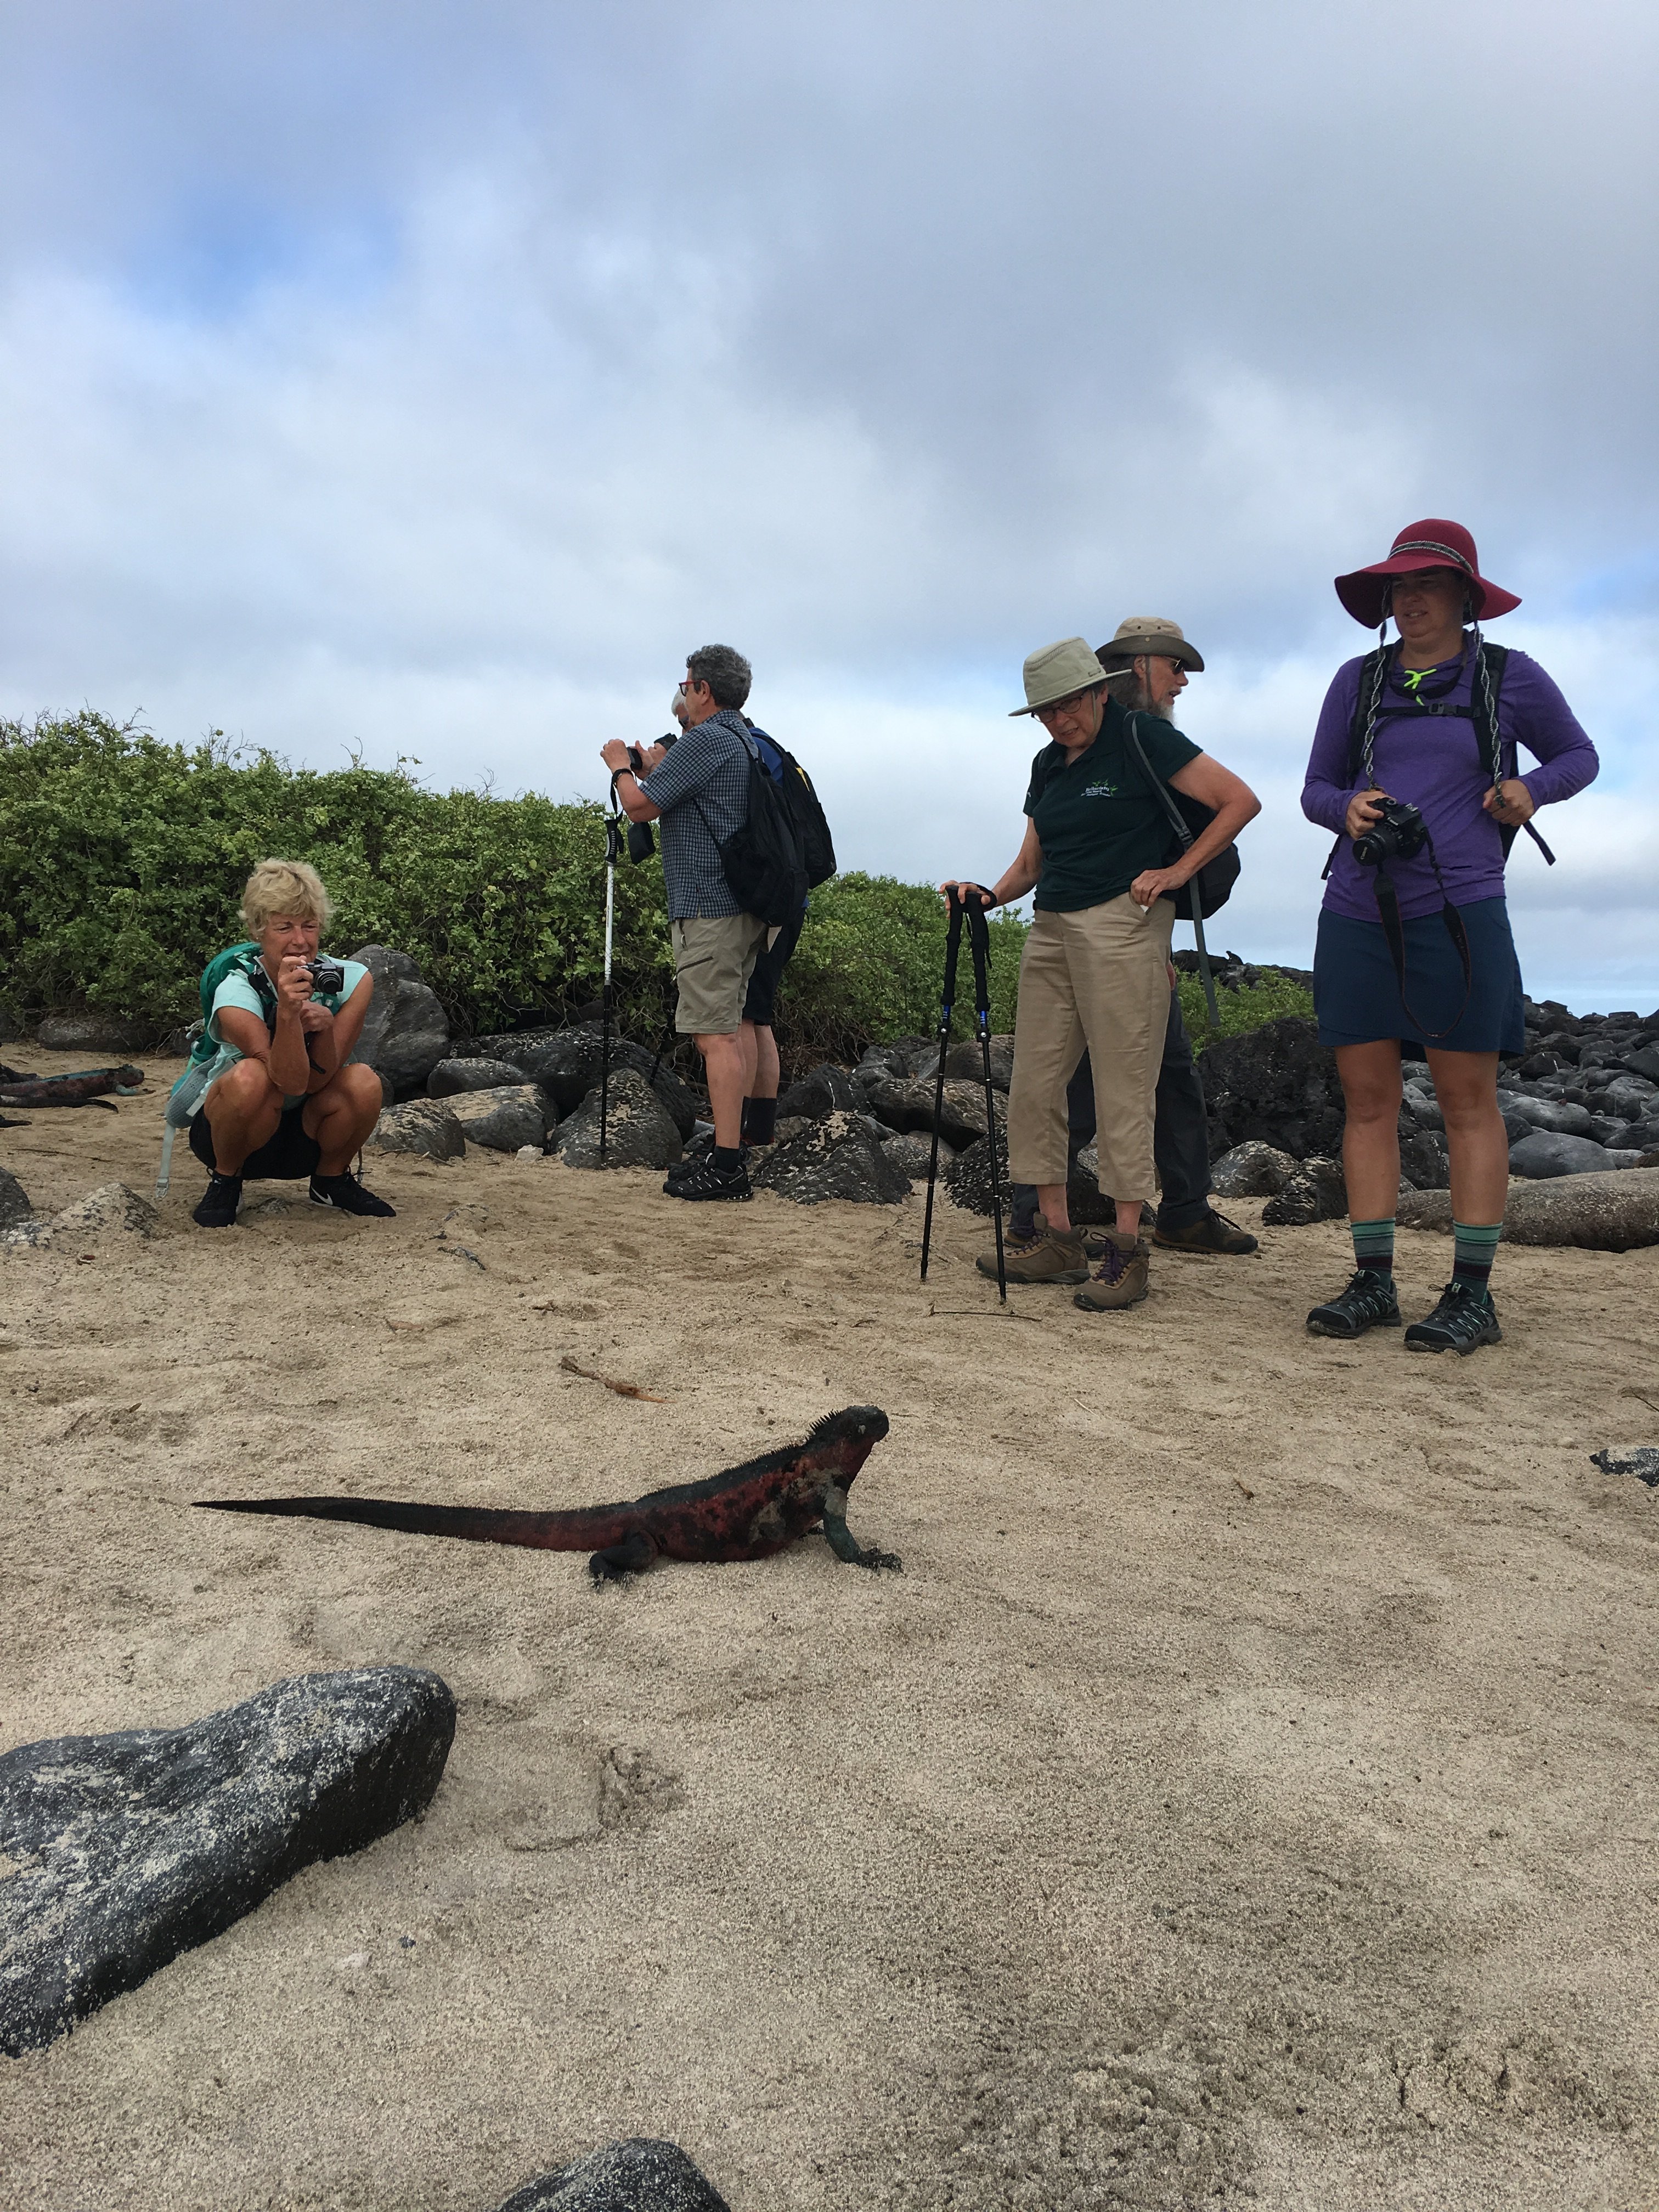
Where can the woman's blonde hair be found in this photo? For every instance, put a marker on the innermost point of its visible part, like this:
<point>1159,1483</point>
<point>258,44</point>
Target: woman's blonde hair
<point>289,887</point>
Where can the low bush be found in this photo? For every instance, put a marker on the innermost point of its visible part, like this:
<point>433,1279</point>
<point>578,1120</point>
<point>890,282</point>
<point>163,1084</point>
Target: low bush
<point>1245,1007</point>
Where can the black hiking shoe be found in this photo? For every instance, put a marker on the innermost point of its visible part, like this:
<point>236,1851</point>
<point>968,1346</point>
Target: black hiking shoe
<point>1210,1232</point>
<point>709,1180</point>
<point>347,1195</point>
<point>218,1207</point>
<point>1369,1302</point>
<point>1465,1318</point>
<point>703,1150</point>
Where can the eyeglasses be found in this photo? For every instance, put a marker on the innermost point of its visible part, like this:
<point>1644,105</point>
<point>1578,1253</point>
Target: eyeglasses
<point>1071,708</point>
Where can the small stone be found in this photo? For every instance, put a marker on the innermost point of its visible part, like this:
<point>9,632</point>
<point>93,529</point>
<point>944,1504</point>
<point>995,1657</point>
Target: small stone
<point>1643,1462</point>
<point>639,1131</point>
<point>837,1156</point>
<point>639,2175</point>
<point>126,1849</point>
<point>422,1125</point>
<point>111,1206</point>
<point>1252,1170</point>
<point>451,1077</point>
<point>505,1117</point>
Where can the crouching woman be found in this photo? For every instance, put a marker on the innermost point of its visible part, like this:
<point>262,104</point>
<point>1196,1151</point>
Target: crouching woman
<point>279,1100</point>
<point>1095,972</point>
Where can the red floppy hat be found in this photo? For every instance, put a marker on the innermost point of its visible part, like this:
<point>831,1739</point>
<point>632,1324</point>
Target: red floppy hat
<point>1433,543</point>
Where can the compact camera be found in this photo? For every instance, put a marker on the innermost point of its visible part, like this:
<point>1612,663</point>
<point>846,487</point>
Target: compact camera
<point>640,843</point>
<point>326,976</point>
<point>1398,834</point>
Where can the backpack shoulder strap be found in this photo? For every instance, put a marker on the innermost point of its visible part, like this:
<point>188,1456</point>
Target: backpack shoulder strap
<point>1365,699</point>
<point>1484,694</point>
<point>1177,818</point>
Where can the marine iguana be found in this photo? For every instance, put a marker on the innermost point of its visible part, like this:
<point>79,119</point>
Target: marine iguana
<point>85,1087</point>
<point>747,1513</point>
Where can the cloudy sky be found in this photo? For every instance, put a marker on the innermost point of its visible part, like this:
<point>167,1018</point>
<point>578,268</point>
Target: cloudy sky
<point>425,380</point>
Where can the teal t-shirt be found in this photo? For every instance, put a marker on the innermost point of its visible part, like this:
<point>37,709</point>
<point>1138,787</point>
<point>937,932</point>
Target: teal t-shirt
<point>1099,820</point>
<point>236,989</point>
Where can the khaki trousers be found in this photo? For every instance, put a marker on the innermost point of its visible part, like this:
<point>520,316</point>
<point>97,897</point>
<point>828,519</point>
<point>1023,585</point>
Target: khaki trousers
<point>1100,978</point>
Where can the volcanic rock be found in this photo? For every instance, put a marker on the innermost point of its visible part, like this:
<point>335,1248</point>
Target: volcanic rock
<point>827,1090</point>
<point>94,1030</point>
<point>503,1119</point>
<point>966,1061</point>
<point>1252,1170</point>
<point>123,1850</point>
<point>838,1156</point>
<point>111,1206</point>
<point>911,1155</point>
<point>909,1105</point>
<point>406,1032</point>
<point>640,2175</point>
<point>568,1065</point>
<point>1423,1160</point>
<point>1277,1083</point>
<point>1643,1461</point>
<point>14,1207</point>
<point>1547,1153</point>
<point>639,1131</point>
<point>421,1125</point>
<point>451,1077</point>
<point>1317,1192</point>
<point>1609,1212</point>
<point>1545,1113</point>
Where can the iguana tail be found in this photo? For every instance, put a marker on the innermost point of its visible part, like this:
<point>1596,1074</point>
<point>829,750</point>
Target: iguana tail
<point>584,1529</point>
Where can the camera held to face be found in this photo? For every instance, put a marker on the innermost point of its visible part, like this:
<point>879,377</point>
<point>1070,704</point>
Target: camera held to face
<point>1398,834</point>
<point>326,975</point>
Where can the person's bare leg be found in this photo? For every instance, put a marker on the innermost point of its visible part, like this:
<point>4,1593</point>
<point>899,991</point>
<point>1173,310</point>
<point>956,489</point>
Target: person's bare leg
<point>1370,1075</point>
<point>243,1110</point>
<point>722,1061</point>
<point>1466,1085</point>
<point>341,1115</point>
<point>765,1071</point>
<point>1051,1205</point>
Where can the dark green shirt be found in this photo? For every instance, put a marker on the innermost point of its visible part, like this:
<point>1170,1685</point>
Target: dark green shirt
<point>1100,821</point>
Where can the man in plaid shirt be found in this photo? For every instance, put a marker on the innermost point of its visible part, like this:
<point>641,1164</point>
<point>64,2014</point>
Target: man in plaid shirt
<point>699,793</point>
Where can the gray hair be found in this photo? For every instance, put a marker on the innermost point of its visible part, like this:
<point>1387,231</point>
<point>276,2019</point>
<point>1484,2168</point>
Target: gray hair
<point>724,670</point>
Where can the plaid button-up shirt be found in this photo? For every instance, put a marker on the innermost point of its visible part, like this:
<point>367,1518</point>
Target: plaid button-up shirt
<point>707,770</point>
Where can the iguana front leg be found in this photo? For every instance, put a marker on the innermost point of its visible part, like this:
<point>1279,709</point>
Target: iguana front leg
<point>841,1541</point>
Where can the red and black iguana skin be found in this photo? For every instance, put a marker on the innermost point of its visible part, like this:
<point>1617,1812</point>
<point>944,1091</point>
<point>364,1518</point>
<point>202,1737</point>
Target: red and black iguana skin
<point>747,1513</point>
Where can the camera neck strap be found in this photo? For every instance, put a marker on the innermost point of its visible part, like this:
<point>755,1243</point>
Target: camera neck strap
<point>1393,930</point>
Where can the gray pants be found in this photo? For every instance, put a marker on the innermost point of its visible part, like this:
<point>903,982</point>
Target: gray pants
<point>1180,1139</point>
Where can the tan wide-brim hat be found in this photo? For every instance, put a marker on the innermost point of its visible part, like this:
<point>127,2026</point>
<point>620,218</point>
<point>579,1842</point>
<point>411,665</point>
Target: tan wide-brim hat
<point>1150,633</point>
<point>1056,672</point>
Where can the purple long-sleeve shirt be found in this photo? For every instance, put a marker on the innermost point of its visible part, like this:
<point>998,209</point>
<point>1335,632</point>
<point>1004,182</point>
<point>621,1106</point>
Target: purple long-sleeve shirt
<point>1434,761</point>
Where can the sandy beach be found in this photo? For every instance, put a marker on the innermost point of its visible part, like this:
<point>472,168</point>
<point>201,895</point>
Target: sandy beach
<point>1244,1796</point>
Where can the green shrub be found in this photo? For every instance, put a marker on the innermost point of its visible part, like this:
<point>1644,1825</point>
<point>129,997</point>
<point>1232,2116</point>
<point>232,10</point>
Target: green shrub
<point>1246,1008</point>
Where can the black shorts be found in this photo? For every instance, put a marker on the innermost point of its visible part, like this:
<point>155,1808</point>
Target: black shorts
<point>283,1157</point>
<point>762,1001</point>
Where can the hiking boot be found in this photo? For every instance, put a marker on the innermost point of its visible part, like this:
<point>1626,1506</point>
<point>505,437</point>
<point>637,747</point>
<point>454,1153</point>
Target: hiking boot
<point>1369,1302</point>
<point>1210,1232</point>
<point>1464,1319</point>
<point>709,1180</point>
<point>1121,1279</point>
<point>347,1195</point>
<point>703,1150</point>
<point>1046,1256</point>
<point>218,1207</point>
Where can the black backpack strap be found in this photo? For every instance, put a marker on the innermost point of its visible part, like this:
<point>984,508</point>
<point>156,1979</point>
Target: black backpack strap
<point>1498,753</point>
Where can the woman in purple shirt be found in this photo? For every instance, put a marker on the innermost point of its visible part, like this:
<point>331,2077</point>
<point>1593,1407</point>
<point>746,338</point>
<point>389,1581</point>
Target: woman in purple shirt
<point>1434,723</point>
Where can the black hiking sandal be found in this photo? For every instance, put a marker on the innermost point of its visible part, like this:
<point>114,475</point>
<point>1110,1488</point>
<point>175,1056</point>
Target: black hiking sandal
<point>1369,1302</point>
<point>710,1179</point>
<point>218,1207</point>
<point>1465,1318</point>
<point>347,1195</point>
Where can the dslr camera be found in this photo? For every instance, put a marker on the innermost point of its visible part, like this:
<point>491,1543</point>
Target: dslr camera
<point>326,975</point>
<point>1398,834</point>
<point>640,843</point>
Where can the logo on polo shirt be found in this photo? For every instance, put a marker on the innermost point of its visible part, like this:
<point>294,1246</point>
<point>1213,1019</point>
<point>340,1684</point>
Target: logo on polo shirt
<point>1098,791</point>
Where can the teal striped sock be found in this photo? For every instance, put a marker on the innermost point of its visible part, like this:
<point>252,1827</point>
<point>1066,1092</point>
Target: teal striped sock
<point>1476,1246</point>
<point>1373,1245</point>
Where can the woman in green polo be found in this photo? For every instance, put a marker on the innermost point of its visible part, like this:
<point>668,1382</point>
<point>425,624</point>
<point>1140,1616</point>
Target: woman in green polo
<point>1096,972</point>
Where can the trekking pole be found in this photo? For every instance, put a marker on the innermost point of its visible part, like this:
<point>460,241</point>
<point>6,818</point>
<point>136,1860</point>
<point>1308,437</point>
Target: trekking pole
<point>612,853</point>
<point>979,940</point>
<point>953,947</point>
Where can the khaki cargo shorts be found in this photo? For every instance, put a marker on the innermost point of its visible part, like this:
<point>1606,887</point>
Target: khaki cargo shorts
<point>715,956</point>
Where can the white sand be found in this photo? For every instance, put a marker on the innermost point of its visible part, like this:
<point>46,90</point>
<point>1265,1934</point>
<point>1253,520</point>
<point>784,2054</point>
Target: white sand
<point>1246,1795</point>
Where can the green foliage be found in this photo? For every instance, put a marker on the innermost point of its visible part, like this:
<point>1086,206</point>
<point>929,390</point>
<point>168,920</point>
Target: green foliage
<point>1246,1008</point>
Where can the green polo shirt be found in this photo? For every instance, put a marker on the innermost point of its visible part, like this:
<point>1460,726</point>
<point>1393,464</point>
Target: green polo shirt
<point>1100,821</point>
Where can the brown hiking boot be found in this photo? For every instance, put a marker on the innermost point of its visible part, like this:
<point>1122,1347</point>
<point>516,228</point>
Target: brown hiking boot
<point>1046,1256</point>
<point>1121,1279</point>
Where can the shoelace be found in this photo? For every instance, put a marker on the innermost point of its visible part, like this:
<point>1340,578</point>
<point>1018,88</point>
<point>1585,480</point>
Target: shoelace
<point>1114,1268</point>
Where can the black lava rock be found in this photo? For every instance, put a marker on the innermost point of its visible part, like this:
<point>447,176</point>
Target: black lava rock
<point>14,1207</point>
<point>406,1032</point>
<point>126,1849</point>
<point>1317,1194</point>
<point>451,1077</point>
<point>640,2175</point>
<point>909,1105</point>
<point>639,1129</point>
<point>827,1090</point>
<point>1423,1160</point>
<point>1277,1083</point>
<point>567,1065</point>
<point>840,1156</point>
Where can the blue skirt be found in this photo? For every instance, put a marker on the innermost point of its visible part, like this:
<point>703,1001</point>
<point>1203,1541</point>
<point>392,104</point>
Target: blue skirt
<point>1356,994</point>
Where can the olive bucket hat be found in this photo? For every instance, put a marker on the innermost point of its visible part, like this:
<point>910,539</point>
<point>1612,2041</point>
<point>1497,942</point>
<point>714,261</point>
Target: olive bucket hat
<point>1153,634</point>
<point>1057,672</point>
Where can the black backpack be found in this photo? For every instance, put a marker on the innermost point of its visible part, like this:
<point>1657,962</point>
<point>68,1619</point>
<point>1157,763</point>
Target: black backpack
<point>762,858</point>
<point>817,848</point>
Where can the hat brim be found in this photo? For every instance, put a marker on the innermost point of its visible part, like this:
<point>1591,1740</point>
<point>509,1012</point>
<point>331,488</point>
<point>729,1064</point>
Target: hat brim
<point>1127,650</point>
<point>1364,591</point>
<point>1071,691</point>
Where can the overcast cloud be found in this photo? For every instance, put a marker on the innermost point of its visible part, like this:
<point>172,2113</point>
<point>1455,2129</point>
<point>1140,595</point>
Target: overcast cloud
<point>428,379</point>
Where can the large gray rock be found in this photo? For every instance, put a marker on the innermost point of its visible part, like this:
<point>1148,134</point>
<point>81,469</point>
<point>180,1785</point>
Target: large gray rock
<point>838,1157</point>
<point>1317,1192</point>
<point>1548,1154</point>
<point>518,1048</point>
<point>639,1131</point>
<point>94,1030</point>
<point>406,1032</point>
<point>1252,1170</point>
<point>125,1850</point>
<point>1616,1212</point>
<point>913,1155</point>
<point>452,1076</point>
<point>1645,1061</point>
<point>503,1119</point>
<point>640,2175</point>
<point>909,1104</point>
<point>1424,1161</point>
<point>827,1090</point>
<point>14,1207</point>
<point>1559,1115</point>
<point>420,1125</point>
<point>567,1065</point>
<point>902,1057</point>
<point>965,1060</point>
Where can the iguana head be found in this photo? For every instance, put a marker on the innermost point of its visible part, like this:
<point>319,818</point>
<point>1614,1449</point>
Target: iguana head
<point>839,1445</point>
